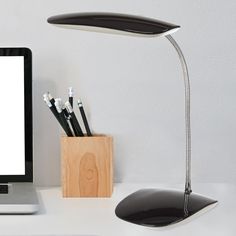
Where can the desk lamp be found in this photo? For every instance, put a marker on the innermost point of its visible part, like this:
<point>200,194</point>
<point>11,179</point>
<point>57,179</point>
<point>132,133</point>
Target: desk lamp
<point>147,207</point>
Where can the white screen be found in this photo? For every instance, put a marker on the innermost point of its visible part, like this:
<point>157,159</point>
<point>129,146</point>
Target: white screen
<point>12,157</point>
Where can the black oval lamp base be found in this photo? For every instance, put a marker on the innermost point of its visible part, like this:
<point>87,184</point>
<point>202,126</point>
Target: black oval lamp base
<point>157,208</point>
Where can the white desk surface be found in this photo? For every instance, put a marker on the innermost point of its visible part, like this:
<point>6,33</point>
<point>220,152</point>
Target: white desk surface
<point>60,216</point>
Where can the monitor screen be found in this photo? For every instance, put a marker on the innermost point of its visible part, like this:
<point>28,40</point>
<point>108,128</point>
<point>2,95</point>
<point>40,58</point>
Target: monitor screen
<point>12,158</point>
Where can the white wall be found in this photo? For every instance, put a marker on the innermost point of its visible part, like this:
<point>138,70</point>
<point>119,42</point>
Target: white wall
<point>132,87</point>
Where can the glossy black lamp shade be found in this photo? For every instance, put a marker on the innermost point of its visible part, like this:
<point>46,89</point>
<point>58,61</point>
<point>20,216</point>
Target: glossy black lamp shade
<point>116,22</point>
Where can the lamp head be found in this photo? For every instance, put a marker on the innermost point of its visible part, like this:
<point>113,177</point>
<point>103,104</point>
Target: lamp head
<point>114,23</point>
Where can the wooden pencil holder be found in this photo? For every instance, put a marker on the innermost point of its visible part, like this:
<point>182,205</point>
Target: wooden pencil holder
<point>87,168</point>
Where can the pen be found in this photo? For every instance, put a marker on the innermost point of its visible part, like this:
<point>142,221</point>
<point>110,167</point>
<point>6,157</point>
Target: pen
<point>65,125</point>
<point>73,118</point>
<point>84,118</point>
<point>71,94</point>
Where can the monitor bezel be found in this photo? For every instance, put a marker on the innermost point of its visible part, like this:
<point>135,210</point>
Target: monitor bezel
<point>28,117</point>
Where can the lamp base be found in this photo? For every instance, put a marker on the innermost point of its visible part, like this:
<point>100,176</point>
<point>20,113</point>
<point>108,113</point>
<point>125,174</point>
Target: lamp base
<point>156,208</point>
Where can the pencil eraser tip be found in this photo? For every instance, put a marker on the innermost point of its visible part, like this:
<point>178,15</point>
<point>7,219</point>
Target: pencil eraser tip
<point>71,91</point>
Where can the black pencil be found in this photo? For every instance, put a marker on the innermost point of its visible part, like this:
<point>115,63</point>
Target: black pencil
<point>71,95</point>
<point>86,125</point>
<point>51,98</point>
<point>74,119</point>
<point>51,107</point>
<point>65,125</point>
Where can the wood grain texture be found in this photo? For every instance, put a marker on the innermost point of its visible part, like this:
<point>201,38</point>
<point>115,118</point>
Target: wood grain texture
<point>87,166</point>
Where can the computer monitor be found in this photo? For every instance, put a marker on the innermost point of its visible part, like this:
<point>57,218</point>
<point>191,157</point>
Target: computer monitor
<point>16,158</point>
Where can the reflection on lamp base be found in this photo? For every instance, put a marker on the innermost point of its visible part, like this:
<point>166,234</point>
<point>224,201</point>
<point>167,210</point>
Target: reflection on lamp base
<point>156,208</point>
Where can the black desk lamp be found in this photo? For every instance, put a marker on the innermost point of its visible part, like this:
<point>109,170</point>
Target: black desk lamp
<point>148,207</point>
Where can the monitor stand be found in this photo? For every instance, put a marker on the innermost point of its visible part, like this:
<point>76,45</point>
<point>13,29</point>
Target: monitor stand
<point>18,198</point>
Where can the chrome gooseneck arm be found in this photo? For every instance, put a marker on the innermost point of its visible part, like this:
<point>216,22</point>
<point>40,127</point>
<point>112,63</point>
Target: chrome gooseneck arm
<point>188,189</point>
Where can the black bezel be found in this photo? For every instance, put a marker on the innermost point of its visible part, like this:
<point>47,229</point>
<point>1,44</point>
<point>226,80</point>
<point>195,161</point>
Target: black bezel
<point>28,123</point>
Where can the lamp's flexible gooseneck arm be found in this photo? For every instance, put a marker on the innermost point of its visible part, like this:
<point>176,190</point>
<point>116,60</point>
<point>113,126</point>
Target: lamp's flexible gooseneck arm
<point>187,113</point>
